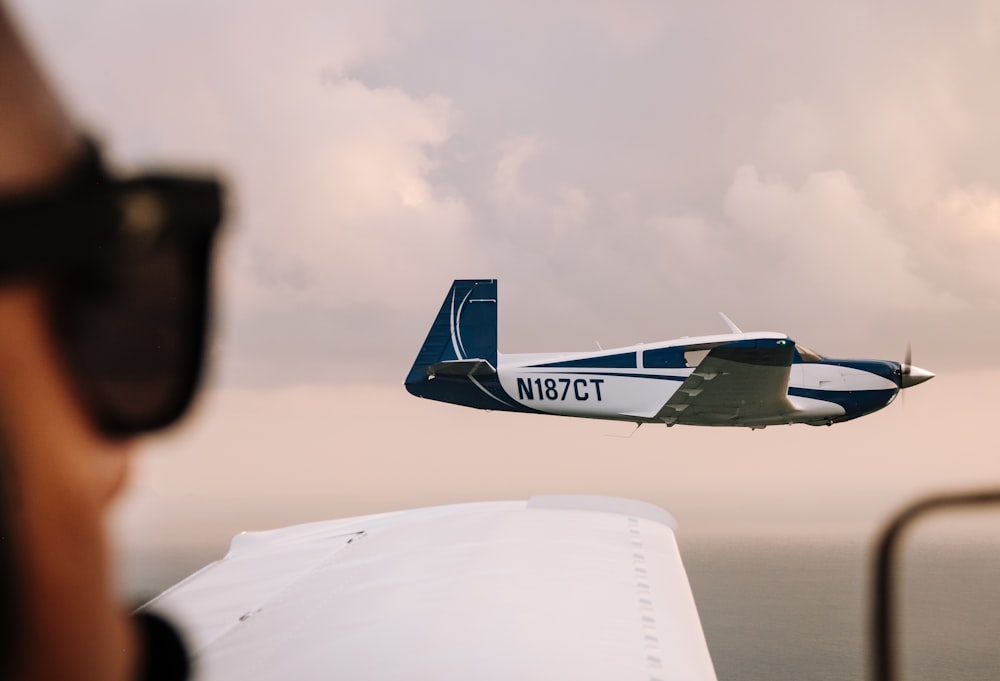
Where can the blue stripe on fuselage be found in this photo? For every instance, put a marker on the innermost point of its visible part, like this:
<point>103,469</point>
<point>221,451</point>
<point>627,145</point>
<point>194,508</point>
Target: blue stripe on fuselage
<point>615,374</point>
<point>624,360</point>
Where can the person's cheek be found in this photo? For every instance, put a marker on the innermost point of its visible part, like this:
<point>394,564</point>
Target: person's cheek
<point>112,470</point>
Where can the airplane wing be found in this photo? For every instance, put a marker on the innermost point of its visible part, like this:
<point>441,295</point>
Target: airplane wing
<point>740,380</point>
<point>571,588</point>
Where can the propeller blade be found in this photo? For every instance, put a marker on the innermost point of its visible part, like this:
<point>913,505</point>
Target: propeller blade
<point>904,371</point>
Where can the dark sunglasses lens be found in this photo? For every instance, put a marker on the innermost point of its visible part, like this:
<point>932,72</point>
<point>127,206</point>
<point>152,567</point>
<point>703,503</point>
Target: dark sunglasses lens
<point>134,333</point>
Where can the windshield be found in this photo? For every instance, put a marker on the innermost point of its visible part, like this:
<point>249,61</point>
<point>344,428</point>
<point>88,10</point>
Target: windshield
<point>808,355</point>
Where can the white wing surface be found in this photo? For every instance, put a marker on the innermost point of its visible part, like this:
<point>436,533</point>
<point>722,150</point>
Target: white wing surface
<point>568,588</point>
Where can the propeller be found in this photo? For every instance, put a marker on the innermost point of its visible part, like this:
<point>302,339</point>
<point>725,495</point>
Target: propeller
<point>910,375</point>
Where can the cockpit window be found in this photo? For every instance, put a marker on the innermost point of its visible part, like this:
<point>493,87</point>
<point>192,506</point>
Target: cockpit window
<point>808,355</point>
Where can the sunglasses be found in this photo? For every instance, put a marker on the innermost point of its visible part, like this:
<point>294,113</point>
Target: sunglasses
<point>125,265</point>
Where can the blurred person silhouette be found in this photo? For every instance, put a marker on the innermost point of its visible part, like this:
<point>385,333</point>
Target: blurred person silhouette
<point>103,308</point>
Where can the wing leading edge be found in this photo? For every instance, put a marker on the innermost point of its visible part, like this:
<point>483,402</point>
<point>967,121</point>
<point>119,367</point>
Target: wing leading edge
<point>735,383</point>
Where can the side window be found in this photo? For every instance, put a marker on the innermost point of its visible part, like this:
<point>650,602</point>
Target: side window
<point>680,357</point>
<point>664,358</point>
<point>692,358</point>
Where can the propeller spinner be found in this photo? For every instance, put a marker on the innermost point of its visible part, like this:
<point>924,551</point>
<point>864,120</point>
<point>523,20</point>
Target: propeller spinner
<point>910,375</point>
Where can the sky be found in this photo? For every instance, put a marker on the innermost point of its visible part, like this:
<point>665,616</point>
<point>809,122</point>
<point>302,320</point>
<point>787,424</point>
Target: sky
<point>626,169</point>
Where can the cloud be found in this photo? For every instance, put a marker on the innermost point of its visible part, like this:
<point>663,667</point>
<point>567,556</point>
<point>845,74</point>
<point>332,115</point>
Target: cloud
<point>629,25</point>
<point>785,252</point>
<point>796,138</point>
<point>330,176</point>
<point>570,211</point>
<point>514,152</point>
<point>347,192</point>
<point>821,241</point>
<point>626,169</point>
<point>918,145</point>
<point>960,245</point>
<point>788,164</point>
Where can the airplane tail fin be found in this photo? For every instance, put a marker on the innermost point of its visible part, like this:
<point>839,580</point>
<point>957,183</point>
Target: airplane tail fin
<point>463,335</point>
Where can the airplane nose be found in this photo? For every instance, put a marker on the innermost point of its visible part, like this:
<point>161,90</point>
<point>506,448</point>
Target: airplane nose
<point>916,376</point>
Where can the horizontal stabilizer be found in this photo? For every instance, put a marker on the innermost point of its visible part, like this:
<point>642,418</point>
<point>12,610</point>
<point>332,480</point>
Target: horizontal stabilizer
<point>462,367</point>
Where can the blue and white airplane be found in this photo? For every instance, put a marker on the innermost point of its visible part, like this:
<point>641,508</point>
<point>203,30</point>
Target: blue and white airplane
<point>754,379</point>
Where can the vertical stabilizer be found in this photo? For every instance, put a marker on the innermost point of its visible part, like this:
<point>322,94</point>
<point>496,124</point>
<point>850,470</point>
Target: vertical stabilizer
<point>465,328</point>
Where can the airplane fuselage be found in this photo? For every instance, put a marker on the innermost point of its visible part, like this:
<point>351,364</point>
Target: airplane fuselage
<point>738,379</point>
<point>632,383</point>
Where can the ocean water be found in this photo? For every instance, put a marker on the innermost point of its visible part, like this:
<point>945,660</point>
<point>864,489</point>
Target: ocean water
<point>793,609</point>
<point>778,610</point>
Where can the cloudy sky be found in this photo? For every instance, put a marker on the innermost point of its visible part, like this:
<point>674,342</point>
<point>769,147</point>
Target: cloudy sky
<point>626,169</point>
